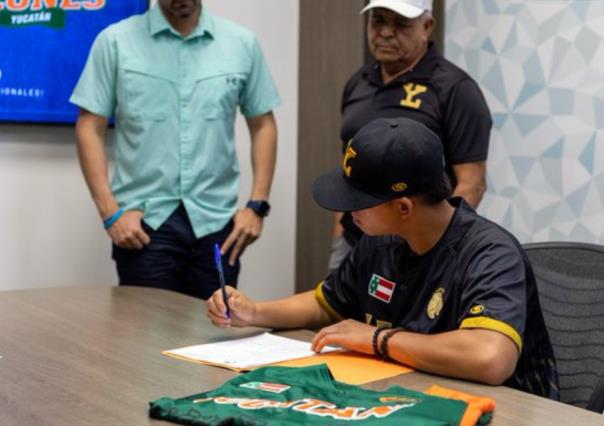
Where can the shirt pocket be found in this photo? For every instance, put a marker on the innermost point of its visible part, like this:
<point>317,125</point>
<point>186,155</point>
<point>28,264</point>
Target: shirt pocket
<point>218,90</point>
<point>148,90</point>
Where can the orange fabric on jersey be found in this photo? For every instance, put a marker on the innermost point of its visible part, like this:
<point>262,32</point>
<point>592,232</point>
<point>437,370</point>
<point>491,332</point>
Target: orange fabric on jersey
<point>477,405</point>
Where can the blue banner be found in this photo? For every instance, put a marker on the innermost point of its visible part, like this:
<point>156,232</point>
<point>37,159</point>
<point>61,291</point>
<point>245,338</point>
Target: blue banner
<point>44,45</point>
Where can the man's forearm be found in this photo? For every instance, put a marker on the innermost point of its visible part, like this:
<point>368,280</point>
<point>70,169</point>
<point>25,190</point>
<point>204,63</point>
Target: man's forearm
<point>473,354</point>
<point>263,132</point>
<point>472,194</point>
<point>471,181</point>
<point>278,313</point>
<point>90,133</point>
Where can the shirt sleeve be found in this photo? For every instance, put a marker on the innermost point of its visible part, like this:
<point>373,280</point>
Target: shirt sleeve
<point>494,291</point>
<point>260,94</point>
<point>338,294</point>
<point>467,124</point>
<point>95,90</point>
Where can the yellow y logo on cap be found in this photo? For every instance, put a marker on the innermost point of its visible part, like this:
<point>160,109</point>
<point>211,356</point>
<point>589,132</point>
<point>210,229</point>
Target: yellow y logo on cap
<point>399,187</point>
<point>412,91</point>
<point>349,154</point>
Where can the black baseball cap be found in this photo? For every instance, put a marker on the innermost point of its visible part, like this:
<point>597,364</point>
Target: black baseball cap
<point>386,159</point>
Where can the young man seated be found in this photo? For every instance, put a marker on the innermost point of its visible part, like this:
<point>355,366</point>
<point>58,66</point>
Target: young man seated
<point>433,285</point>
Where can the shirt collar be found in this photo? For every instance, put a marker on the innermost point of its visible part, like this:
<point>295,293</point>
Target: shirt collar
<point>423,68</point>
<point>463,217</point>
<point>158,23</point>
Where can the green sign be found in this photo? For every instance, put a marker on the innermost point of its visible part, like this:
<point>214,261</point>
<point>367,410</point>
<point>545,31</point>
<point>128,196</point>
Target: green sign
<point>53,18</point>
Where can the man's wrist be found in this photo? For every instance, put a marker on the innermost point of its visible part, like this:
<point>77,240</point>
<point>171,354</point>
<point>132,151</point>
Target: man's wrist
<point>108,222</point>
<point>384,344</point>
<point>105,203</point>
<point>375,339</point>
<point>261,207</point>
<point>256,317</point>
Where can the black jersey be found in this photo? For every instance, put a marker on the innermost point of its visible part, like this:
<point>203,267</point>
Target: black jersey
<point>476,276</point>
<point>436,93</point>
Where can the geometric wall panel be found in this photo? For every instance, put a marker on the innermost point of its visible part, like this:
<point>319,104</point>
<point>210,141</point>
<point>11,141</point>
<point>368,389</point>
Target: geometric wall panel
<point>540,65</point>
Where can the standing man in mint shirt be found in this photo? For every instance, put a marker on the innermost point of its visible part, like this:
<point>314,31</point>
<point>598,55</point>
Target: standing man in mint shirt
<point>173,78</point>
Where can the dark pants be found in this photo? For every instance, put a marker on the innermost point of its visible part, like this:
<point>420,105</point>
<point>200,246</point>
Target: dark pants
<point>176,260</point>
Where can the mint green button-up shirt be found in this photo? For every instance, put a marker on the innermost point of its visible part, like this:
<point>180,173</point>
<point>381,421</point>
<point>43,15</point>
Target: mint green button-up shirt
<point>174,100</point>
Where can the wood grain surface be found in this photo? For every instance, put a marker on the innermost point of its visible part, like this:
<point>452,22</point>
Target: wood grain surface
<point>91,356</point>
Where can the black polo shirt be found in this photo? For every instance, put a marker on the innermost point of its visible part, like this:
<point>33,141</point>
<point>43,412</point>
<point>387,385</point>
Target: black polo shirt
<point>436,93</point>
<point>476,276</point>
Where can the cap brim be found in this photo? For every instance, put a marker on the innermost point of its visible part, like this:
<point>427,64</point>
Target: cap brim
<point>402,9</point>
<point>332,192</point>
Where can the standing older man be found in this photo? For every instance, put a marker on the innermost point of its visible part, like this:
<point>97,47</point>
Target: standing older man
<point>173,79</point>
<point>410,79</point>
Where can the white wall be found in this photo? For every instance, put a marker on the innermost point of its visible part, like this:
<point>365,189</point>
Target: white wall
<point>541,67</point>
<point>50,234</point>
<point>49,230</point>
<point>268,265</point>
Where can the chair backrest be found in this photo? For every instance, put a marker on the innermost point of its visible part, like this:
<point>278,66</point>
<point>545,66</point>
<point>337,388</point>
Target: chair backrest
<point>597,398</point>
<point>570,281</point>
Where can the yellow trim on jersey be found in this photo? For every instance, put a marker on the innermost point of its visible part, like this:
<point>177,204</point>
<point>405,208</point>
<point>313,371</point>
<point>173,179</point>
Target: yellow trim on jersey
<point>495,325</point>
<point>325,304</point>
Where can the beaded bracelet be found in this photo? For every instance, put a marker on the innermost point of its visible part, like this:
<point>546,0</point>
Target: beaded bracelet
<point>376,335</point>
<point>384,344</point>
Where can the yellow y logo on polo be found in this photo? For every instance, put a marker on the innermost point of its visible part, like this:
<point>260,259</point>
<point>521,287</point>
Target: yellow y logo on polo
<point>412,90</point>
<point>348,155</point>
<point>436,303</point>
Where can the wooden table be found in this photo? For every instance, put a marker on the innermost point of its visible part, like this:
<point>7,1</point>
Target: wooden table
<point>89,356</point>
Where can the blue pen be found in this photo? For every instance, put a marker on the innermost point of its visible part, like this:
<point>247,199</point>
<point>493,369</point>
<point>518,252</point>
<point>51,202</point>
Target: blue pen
<point>218,260</point>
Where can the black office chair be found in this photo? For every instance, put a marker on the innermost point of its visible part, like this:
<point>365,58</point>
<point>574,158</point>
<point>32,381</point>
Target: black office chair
<point>570,281</point>
<point>596,403</point>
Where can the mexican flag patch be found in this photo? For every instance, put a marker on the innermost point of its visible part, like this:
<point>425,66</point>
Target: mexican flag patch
<point>268,387</point>
<point>381,288</point>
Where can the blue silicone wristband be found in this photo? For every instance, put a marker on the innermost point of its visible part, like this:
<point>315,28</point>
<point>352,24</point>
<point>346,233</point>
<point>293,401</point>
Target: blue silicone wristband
<point>108,223</point>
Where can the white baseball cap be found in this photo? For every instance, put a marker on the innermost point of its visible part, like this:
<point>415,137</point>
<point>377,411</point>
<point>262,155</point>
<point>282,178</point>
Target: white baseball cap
<point>407,8</point>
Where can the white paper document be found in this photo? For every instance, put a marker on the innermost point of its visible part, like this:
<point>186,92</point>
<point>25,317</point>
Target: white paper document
<point>247,353</point>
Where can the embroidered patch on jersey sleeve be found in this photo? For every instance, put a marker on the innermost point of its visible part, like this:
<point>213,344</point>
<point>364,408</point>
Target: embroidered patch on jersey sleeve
<point>381,288</point>
<point>436,303</point>
<point>268,387</point>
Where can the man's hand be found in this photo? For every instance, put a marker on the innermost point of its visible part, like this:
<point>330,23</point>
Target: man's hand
<point>247,229</point>
<point>241,308</point>
<point>127,231</point>
<point>349,334</point>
